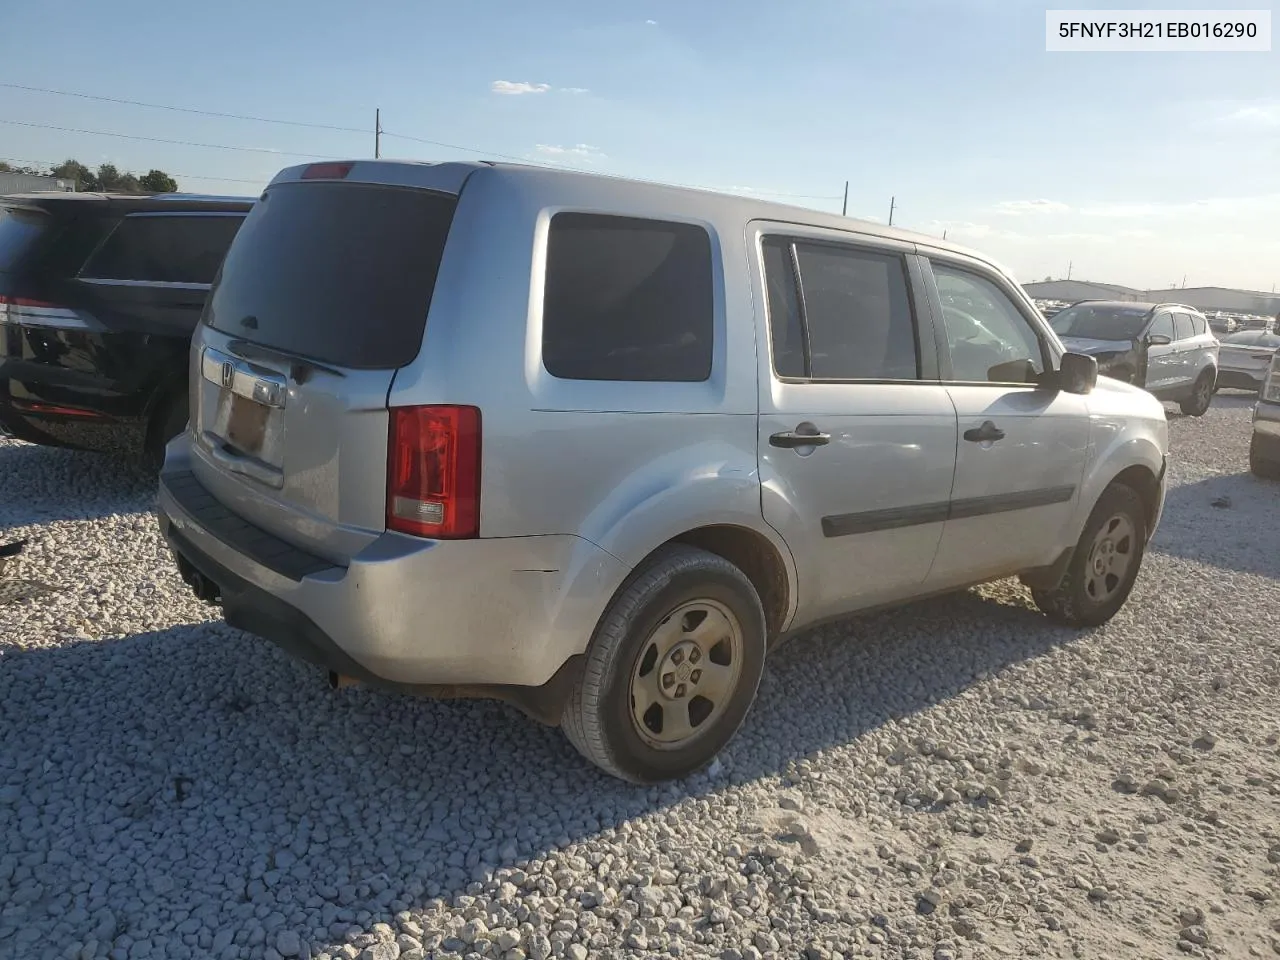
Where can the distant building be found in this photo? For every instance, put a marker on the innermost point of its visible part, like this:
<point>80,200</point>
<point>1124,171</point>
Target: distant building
<point>1073,290</point>
<point>26,183</point>
<point>1211,299</point>
<point>1221,298</point>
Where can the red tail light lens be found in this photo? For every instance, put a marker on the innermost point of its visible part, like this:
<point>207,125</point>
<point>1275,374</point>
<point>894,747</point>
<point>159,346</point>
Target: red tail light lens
<point>433,472</point>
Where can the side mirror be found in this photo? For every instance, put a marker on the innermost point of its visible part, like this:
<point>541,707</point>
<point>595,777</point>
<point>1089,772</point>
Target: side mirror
<point>1158,340</point>
<point>1076,373</point>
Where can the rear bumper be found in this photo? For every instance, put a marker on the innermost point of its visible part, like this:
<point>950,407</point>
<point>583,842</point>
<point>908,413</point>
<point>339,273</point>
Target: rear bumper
<point>92,389</point>
<point>405,613</point>
<point>1240,379</point>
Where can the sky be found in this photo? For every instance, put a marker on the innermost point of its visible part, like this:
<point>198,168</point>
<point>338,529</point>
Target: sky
<point>1134,168</point>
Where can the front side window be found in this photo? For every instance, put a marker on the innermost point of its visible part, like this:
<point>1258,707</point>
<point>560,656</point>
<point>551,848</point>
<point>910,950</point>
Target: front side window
<point>856,314</point>
<point>1162,326</point>
<point>990,340</point>
<point>627,299</point>
<point>164,249</point>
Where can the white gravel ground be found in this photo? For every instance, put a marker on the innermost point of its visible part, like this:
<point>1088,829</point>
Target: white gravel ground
<point>956,779</point>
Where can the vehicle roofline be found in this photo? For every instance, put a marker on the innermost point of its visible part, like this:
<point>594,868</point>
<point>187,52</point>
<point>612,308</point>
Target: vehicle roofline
<point>753,208</point>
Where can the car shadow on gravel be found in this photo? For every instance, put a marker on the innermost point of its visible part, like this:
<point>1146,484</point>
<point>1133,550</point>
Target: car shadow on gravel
<point>1217,521</point>
<point>221,750</point>
<point>43,484</point>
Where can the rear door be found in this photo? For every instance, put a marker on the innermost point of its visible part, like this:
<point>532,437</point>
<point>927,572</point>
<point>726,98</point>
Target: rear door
<point>322,296</point>
<point>848,357</point>
<point>1188,349</point>
<point>1021,450</point>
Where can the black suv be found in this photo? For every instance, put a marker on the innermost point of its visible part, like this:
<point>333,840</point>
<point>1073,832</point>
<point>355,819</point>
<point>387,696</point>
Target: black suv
<point>99,295</point>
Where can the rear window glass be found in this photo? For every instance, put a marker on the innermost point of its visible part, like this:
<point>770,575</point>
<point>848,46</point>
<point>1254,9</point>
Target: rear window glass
<point>627,299</point>
<point>19,230</point>
<point>338,272</point>
<point>164,248</point>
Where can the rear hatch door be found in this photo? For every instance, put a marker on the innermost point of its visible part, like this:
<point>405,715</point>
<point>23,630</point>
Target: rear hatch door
<point>322,297</point>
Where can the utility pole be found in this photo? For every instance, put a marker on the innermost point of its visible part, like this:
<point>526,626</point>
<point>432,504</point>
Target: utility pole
<point>1069,266</point>
<point>944,234</point>
<point>1184,281</point>
<point>377,133</point>
<point>844,207</point>
<point>892,203</point>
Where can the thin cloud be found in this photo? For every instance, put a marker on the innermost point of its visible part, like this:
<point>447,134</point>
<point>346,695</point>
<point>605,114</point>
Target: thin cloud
<point>580,152</point>
<point>574,90</point>
<point>515,88</point>
<point>1019,207</point>
<point>652,23</point>
<point>1263,113</point>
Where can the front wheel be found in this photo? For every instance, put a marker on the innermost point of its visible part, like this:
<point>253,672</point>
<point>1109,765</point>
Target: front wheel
<point>1260,467</point>
<point>672,669</point>
<point>1197,405</point>
<point>1105,562</point>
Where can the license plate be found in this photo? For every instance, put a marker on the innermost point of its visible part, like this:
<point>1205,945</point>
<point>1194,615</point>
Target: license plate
<point>246,424</point>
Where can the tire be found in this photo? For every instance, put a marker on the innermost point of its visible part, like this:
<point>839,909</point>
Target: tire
<point>169,419</point>
<point>1085,598</point>
<point>1197,405</point>
<point>1263,469</point>
<point>630,657</point>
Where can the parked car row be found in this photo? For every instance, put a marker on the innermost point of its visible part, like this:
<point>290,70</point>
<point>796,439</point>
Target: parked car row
<point>595,446</point>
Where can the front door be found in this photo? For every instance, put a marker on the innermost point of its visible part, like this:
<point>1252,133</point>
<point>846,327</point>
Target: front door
<point>857,438</point>
<point>1022,448</point>
<point>1162,358</point>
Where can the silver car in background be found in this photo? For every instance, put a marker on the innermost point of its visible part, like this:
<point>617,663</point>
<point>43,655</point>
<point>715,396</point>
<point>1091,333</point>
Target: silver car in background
<point>1244,359</point>
<point>595,446</point>
<point>1264,445</point>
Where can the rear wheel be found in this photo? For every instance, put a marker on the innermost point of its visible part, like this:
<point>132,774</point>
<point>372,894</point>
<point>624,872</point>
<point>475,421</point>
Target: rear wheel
<point>1197,404</point>
<point>1260,467</point>
<point>1105,562</point>
<point>672,669</point>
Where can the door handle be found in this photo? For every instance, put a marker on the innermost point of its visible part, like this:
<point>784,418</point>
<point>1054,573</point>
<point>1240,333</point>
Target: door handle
<point>987,433</point>
<point>790,439</point>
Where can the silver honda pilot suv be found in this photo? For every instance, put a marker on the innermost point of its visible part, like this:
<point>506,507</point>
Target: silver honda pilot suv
<point>594,446</point>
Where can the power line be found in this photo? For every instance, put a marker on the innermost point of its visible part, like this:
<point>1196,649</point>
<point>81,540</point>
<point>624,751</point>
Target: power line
<point>197,112</point>
<point>316,126</point>
<point>190,176</point>
<point>182,143</point>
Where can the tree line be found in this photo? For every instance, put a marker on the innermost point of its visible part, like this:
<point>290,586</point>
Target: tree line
<point>108,178</point>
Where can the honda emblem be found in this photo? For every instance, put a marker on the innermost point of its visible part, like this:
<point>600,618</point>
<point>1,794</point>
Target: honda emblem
<point>228,373</point>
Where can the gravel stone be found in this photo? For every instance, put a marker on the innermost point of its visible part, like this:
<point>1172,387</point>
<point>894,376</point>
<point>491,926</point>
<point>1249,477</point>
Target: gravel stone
<point>170,786</point>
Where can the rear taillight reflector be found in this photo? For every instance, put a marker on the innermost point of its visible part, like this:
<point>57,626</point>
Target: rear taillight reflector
<point>53,409</point>
<point>328,171</point>
<point>25,302</point>
<point>433,472</point>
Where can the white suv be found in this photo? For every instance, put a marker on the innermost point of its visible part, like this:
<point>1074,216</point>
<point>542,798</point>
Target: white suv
<point>593,446</point>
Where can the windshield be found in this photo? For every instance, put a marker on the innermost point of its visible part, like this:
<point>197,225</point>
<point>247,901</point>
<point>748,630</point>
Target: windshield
<point>19,230</point>
<point>1098,321</point>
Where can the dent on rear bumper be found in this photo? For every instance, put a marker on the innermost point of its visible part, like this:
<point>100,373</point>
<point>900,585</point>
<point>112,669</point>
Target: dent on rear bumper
<point>485,611</point>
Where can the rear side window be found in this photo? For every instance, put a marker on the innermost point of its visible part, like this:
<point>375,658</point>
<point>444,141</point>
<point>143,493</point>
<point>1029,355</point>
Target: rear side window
<point>857,314</point>
<point>338,272</point>
<point>627,299</point>
<point>19,231</point>
<point>1198,324</point>
<point>786,326</point>
<point>1182,324</point>
<point>164,249</point>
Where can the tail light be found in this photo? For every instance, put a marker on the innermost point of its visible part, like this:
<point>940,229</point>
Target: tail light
<point>433,472</point>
